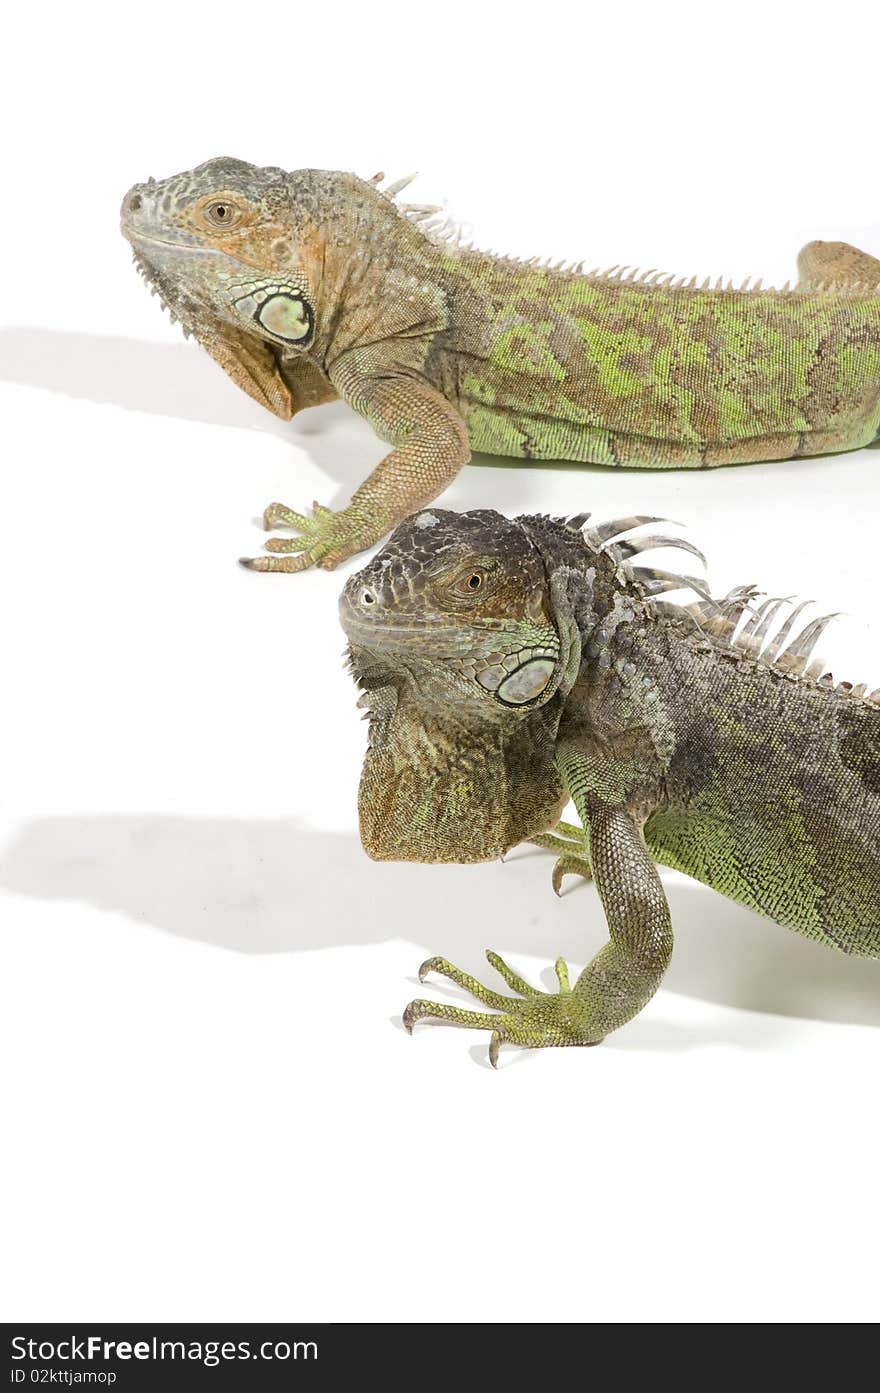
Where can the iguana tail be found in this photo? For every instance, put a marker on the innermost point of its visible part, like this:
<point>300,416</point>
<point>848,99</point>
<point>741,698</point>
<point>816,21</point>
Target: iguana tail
<point>837,263</point>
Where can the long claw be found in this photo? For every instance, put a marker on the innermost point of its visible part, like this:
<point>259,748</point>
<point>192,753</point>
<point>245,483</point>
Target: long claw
<point>568,865</point>
<point>494,1047</point>
<point>274,563</point>
<point>429,965</point>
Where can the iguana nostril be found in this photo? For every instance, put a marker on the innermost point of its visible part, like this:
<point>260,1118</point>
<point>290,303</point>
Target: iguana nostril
<point>367,597</point>
<point>135,203</point>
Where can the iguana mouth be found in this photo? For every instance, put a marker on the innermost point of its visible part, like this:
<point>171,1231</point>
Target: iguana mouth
<point>134,236</point>
<point>470,653</point>
<point>400,638</point>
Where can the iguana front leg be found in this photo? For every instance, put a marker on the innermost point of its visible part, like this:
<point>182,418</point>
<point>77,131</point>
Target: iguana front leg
<point>431,445</point>
<point>622,977</point>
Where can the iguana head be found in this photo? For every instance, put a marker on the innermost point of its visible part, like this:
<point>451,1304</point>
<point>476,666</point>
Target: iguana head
<point>229,258</point>
<point>459,605</point>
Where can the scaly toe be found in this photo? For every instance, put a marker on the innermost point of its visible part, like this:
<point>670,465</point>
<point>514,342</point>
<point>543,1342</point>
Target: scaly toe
<point>513,979</point>
<point>332,560</point>
<point>286,544</point>
<point>287,564</point>
<point>562,975</point>
<point>277,514</point>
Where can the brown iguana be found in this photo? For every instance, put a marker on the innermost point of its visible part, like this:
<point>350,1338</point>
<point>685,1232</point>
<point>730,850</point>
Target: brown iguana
<point>310,285</point>
<point>511,665</point>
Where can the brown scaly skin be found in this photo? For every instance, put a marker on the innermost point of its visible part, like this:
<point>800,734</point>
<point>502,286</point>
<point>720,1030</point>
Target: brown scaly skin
<point>310,285</point>
<point>509,665</point>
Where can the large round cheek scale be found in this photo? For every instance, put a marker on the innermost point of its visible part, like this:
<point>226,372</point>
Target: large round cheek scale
<point>285,317</point>
<point>527,682</point>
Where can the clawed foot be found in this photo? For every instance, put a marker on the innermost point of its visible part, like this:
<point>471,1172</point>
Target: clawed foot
<point>531,1018</point>
<point>324,539</point>
<point>567,841</point>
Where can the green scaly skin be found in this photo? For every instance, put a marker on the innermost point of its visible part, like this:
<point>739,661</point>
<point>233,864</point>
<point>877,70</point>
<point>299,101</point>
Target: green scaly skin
<point>312,285</point>
<point>509,665</point>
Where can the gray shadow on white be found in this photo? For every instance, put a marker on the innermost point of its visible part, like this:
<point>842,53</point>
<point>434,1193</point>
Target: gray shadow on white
<point>271,886</point>
<point>179,381</point>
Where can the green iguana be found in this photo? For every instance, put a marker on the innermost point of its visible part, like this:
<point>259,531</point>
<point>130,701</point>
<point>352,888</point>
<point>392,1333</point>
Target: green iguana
<point>511,665</point>
<point>310,285</point>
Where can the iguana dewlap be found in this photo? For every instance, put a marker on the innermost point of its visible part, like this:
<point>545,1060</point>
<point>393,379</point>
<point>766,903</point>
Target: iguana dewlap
<point>312,285</point>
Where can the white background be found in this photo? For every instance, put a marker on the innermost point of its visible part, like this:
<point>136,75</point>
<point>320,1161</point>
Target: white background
<point>212,1110</point>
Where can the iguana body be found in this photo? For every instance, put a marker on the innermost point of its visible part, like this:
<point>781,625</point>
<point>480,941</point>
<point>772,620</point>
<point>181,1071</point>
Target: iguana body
<point>511,665</point>
<point>310,285</point>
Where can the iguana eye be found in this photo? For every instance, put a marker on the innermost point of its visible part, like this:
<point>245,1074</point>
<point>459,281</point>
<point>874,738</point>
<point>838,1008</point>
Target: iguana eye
<point>471,581</point>
<point>221,213</point>
<point>464,580</point>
